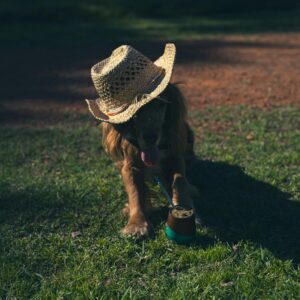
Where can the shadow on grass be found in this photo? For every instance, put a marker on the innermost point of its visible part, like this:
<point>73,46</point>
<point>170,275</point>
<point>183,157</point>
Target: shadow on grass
<point>239,207</point>
<point>42,209</point>
<point>233,205</point>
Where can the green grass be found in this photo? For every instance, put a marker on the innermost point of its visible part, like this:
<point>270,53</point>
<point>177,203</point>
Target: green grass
<point>67,22</point>
<point>57,180</point>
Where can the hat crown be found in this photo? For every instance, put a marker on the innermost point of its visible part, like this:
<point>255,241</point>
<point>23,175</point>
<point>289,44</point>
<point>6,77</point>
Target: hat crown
<point>123,77</point>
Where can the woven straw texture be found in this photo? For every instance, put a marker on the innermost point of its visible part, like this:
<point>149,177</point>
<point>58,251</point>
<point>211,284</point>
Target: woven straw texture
<point>127,80</point>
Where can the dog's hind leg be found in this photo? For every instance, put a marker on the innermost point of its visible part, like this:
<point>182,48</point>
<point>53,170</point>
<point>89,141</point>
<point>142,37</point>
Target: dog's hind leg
<point>189,155</point>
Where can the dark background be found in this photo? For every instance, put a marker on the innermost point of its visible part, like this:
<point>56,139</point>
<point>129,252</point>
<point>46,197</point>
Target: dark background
<point>77,22</point>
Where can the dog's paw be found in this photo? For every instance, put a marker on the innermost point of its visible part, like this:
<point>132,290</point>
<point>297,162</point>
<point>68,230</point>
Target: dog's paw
<point>136,229</point>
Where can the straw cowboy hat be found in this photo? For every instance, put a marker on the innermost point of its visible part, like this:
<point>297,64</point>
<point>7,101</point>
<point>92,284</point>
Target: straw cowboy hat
<point>127,80</point>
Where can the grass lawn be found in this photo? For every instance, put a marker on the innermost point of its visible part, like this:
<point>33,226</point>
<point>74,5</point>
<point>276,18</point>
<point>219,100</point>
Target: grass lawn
<point>56,180</point>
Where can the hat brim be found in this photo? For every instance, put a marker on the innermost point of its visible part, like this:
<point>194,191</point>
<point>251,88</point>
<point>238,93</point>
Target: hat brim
<point>166,62</point>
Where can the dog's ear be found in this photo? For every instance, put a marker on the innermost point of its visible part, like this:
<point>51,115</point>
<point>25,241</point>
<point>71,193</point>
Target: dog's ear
<point>174,125</point>
<point>176,110</point>
<point>95,111</point>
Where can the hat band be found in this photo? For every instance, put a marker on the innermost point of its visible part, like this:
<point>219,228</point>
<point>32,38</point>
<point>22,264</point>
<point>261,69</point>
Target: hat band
<point>117,111</point>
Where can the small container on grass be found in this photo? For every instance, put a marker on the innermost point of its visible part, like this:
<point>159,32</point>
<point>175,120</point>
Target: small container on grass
<point>181,227</point>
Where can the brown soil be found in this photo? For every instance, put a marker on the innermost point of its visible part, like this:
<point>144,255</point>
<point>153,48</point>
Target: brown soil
<point>254,70</point>
<point>41,84</point>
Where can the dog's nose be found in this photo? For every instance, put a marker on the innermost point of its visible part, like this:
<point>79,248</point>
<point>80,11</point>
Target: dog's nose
<point>150,138</point>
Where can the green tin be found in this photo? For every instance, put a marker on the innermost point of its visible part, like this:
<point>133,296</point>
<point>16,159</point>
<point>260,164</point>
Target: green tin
<point>179,238</point>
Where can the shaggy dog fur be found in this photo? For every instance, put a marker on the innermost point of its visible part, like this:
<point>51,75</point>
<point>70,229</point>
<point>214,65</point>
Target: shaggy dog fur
<point>161,124</point>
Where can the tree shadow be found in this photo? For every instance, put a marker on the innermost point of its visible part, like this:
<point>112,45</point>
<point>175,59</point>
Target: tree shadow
<point>238,207</point>
<point>62,75</point>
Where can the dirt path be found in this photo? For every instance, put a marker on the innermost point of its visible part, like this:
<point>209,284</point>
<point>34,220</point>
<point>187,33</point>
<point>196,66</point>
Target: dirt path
<point>260,71</point>
<point>42,83</point>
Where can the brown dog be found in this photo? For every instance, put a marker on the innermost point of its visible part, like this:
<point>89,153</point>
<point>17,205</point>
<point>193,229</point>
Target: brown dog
<point>156,141</point>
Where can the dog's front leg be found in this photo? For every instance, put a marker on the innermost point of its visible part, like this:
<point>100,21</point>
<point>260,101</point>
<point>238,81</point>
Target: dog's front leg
<point>180,190</point>
<point>133,178</point>
<point>179,187</point>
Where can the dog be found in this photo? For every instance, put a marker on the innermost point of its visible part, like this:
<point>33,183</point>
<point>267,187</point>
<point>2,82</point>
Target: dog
<point>156,141</point>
